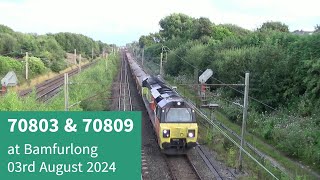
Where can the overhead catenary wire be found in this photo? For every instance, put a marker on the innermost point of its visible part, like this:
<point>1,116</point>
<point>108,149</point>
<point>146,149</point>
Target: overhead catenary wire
<point>241,92</point>
<point>222,82</point>
<point>233,104</point>
<point>232,140</point>
<point>179,57</point>
<point>224,133</point>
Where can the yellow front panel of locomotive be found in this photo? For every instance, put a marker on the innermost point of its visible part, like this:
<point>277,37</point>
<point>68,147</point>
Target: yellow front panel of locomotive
<point>178,131</point>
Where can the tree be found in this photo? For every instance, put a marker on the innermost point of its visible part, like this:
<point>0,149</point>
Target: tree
<point>5,29</point>
<point>202,28</point>
<point>176,25</point>
<point>317,28</point>
<point>149,40</point>
<point>8,44</point>
<point>275,26</point>
<point>83,44</point>
<point>28,43</point>
<point>236,30</point>
<point>220,32</point>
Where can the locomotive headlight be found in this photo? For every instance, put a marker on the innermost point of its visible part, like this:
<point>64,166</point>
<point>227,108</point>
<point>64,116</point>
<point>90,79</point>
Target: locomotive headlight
<point>191,133</point>
<point>166,133</point>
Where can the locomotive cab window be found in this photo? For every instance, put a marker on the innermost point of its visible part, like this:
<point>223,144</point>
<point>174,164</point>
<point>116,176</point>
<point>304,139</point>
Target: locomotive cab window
<point>177,115</point>
<point>158,112</point>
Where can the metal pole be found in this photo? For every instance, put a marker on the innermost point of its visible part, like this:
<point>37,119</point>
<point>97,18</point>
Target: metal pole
<point>27,65</point>
<point>75,56</point>
<point>244,118</point>
<point>142,59</point>
<point>66,92</point>
<point>92,54</point>
<point>161,56</point>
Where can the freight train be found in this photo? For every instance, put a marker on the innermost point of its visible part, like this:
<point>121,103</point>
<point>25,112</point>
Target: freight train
<point>173,119</point>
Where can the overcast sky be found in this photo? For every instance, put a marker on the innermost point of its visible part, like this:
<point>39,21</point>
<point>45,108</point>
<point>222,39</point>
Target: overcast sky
<point>124,21</point>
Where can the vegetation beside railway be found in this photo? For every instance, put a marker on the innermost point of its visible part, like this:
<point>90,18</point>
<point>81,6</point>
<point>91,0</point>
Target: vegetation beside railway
<point>90,90</point>
<point>50,49</point>
<point>284,74</point>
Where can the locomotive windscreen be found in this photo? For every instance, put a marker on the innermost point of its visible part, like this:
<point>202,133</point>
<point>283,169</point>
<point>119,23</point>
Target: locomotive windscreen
<point>178,115</point>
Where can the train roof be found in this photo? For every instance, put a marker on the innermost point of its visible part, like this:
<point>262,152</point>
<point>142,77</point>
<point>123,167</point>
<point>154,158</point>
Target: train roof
<point>163,94</point>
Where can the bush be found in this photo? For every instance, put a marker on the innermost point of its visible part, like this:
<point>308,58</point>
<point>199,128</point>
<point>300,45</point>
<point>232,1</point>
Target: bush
<point>36,66</point>
<point>57,66</point>
<point>9,64</point>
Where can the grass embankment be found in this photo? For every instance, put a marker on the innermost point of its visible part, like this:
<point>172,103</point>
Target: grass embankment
<point>228,153</point>
<point>94,82</point>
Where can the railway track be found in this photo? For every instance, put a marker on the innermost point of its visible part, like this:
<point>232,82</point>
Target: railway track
<point>49,88</point>
<point>181,167</point>
<point>124,99</point>
<point>213,165</point>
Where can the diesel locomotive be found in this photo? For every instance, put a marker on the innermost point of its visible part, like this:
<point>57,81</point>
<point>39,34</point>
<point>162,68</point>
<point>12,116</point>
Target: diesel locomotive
<point>173,119</point>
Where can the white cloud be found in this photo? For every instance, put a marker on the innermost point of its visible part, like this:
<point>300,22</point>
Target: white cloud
<point>123,21</point>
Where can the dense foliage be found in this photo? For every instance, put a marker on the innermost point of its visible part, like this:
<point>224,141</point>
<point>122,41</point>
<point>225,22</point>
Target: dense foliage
<point>284,74</point>
<point>50,48</point>
<point>36,66</point>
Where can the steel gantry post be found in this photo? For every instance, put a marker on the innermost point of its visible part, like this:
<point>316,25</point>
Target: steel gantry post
<point>244,117</point>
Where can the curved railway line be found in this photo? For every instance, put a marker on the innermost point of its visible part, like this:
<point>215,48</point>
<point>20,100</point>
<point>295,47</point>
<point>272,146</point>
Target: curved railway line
<point>50,87</point>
